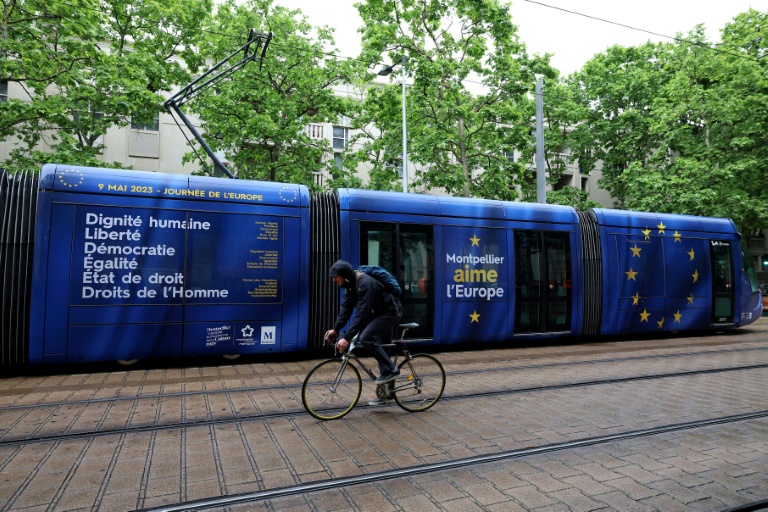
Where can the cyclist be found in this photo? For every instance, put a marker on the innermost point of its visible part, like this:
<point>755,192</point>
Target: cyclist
<point>377,313</point>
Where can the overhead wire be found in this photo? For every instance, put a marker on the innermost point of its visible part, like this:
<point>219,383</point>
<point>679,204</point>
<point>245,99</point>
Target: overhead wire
<point>674,38</point>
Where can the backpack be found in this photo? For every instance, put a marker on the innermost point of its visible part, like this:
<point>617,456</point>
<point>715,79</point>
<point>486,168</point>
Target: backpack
<point>384,277</point>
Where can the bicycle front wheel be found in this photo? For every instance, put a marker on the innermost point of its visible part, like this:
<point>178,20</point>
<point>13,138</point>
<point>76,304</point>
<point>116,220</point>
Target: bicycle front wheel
<point>421,383</point>
<point>331,389</point>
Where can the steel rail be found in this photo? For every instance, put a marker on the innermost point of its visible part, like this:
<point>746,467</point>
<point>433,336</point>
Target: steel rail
<point>176,394</point>
<point>299,412</point>
<point>250,497</point>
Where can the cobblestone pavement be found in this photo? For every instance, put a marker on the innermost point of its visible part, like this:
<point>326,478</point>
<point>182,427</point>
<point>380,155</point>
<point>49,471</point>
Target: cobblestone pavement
<point>219,444</point>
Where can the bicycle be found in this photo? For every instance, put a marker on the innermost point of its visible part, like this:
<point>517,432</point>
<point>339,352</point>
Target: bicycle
<point>333,387</point>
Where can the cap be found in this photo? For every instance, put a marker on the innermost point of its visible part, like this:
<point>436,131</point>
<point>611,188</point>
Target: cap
<point>343,269</point>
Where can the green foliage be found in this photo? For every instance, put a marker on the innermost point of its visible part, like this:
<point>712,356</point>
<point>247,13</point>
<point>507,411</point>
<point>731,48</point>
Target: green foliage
<point>681,127</point>
<point>88,66</point>
<point>571,196</point>
<point>468,97</point>
<point>259,116</point>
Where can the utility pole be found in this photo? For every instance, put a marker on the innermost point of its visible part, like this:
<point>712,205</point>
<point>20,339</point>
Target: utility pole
<point>541,182</point>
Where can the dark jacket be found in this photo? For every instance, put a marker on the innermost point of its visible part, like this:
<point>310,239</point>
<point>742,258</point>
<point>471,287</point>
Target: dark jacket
<point>371,299</point>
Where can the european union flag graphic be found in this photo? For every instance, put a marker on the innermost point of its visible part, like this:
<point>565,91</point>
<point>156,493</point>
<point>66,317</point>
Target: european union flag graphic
<point>662,283</point>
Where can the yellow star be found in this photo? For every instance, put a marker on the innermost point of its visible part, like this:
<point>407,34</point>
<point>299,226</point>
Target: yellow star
<point>661,323</point>
<point>635,251</point>
<point>678,316</point>
<point>695,276</point>
<point>635,299</point>
<point>661,227</point>
<point>677,236</point>
<point>690,253</point>
<point>647,233</point>
<point>475,240</point>
<point>475,317</point>
<point>644,315</point>
<point>690,299</point>
<point>631,274</point>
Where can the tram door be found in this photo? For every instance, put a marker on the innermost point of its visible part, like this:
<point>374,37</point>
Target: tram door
<point>407,251</point>
<point>722,281</point>
<point>542,281</point>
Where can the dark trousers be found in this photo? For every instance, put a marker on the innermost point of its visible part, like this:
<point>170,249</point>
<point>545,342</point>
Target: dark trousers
<point>378,332</point>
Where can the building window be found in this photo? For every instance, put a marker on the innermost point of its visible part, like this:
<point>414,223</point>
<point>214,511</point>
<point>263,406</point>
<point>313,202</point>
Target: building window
<point>337,161</point>
<point>154,126</point>
<point>3,90</point>
<point>340,137</point>
<point>84,117</point>
<point>509,155</point>
<point>145,139</point>
<point>396,164</point>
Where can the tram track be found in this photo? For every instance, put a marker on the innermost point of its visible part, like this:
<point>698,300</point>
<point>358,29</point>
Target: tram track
<point>339,483</point>
<point>248,389</point>
<point>149,380</point>
<point>35,439</point>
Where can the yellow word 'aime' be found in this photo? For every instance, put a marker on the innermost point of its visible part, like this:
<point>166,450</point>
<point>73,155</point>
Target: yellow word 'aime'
<point>466,275</point>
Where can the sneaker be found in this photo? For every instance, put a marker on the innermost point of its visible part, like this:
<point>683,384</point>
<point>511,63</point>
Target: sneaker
<point>387,377</point>
<point>380,401</point>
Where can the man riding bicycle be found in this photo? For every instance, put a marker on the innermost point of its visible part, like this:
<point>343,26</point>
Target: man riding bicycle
<point>377,313</point>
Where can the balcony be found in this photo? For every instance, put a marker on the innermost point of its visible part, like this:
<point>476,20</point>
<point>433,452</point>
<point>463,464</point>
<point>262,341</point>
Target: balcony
<point>314,131</point>
<point>757,244</point>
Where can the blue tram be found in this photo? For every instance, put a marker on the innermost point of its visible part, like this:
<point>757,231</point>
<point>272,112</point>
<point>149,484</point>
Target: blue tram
<point>103,264</point>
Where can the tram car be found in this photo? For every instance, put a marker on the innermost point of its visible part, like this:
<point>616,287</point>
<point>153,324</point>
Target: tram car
<point>103,264</point>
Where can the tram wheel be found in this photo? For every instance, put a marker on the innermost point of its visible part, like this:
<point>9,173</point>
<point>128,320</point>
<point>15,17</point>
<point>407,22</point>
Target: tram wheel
<point>127,362</point>
<point>230,357</point>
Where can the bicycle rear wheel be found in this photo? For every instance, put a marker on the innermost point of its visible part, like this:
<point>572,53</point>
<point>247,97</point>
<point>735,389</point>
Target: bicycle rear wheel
<point>421,383</point>
<point>331,389</point>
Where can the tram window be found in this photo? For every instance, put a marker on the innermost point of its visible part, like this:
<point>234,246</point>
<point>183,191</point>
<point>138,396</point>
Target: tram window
<point>378,246</point>
<point>722,281</point>
<point>558,279</point>
<point>527,280</point>
<point>415,263</point>
<point>542,281</point>
<point>407,251</point>
<point>748,268</point>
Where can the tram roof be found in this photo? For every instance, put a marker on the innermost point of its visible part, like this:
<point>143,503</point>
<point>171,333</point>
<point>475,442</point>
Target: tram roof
<point>670,221</point>
<point>448,206</point>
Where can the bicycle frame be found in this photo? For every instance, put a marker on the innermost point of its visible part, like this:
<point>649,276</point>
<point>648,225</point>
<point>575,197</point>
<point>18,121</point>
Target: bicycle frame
<point>348,356</point>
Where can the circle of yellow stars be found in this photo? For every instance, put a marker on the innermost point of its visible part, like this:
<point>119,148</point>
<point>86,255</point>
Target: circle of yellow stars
<point>288,194</point>
<point>71,178</point>
<point>632,274</point>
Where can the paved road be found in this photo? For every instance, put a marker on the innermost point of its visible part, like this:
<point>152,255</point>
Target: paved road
<point>186,439</point>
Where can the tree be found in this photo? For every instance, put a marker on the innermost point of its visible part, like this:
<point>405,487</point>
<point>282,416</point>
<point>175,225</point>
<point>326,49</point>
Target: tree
<point>571,196</point>
<point>616,90</point>
<point>469,99</point>
<point>713,116</point>
<point>87,66</point>
<point>681,127</point>
<point>563,114</point>
<point>258,118</point>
